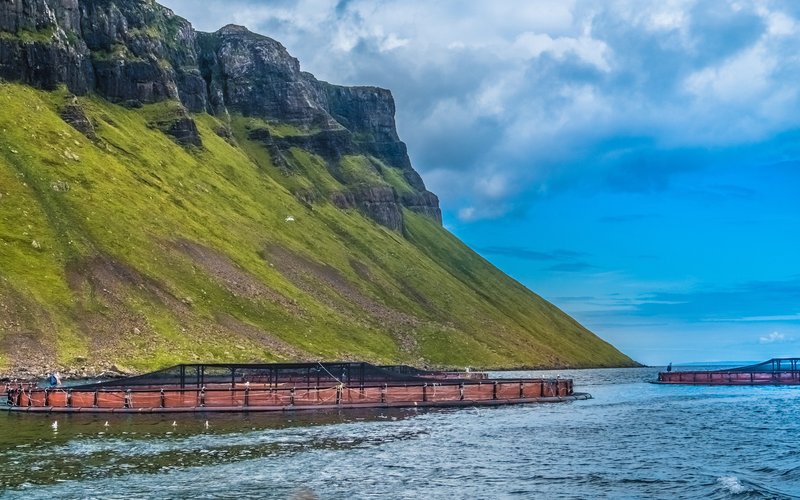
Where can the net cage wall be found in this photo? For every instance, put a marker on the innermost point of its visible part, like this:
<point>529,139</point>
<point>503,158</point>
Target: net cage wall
<point>295,374</point>
<point>775,365</point>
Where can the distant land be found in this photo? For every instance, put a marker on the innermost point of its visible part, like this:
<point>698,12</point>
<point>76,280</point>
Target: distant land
<point>171,196</point>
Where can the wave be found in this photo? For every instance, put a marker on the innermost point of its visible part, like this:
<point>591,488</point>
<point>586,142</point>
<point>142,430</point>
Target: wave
<point>732,485</point>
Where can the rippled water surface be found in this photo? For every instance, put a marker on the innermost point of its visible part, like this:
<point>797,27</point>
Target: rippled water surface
<point>633,440</point>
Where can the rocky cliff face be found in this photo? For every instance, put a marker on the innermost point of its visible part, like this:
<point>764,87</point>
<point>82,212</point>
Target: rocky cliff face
<point>135,52</point>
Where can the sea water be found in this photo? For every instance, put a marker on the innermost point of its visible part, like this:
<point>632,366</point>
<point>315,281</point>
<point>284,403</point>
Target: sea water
<point>634,439</point>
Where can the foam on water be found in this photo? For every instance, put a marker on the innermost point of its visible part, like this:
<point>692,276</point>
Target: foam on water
<point>732,485</point>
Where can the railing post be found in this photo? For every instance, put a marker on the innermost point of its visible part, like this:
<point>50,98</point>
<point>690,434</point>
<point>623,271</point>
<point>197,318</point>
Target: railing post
<point>94,401</point>
<point>203,396</point>
<point>521,389</point>
<point>383,393</point>
<point>128,398</point>
<point>494,390</point>
<point>461,391</point>
<point>425,392</point>
<point>69,398</point>
<point>47,397</point>
<point>163,399</point>
<point>291,396</point>
<point>247,395</point>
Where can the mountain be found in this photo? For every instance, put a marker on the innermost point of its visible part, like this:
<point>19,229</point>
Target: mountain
<point>169,196</point>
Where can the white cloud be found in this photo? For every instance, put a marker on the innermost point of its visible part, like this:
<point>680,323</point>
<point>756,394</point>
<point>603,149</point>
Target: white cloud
<point>779,24</point>
<point>668,15</point>
<point>532,45</point>
<point>485,212</point>
<point>741,79</point>
<point>772,338</point>
<point>777,317</point>
<point>392,41</point>
<point>494,186</point>
<point>468,214</point>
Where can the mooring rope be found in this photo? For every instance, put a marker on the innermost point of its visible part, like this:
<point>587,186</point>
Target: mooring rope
<point>341,384</point>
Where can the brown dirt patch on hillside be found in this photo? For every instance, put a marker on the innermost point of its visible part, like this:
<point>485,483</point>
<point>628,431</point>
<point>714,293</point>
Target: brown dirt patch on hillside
<point>276,345</point>
<point>330,287</point>
<point>105,288</point>
<point>236,280</point>
<point>27,335</point>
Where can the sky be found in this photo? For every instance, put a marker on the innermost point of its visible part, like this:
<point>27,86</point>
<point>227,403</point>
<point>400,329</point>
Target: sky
<point>635,162</point>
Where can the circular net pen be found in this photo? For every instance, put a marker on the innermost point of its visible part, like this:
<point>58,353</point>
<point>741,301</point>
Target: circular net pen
<point>287,386</point>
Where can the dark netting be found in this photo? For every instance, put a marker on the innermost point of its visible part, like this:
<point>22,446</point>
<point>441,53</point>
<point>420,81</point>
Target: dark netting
<point>774,365</point>
<point>297,374</point>
<point>405,370</point>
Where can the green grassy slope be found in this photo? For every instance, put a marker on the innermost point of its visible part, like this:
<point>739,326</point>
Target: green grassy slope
<point>136,252</point>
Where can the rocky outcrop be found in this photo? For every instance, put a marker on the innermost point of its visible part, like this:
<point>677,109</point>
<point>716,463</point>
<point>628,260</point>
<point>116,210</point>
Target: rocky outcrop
<point>425,203</point>
<point>141,51</point>
<point>380,203</point>
<point>331,145</point>
<point>39,45</point>
<point>184,131</point>
<point>74,114</point>
<point>260,78</point>
<point>136,52</point>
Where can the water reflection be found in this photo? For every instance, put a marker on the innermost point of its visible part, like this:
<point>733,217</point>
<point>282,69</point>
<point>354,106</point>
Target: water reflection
<point>85,446</point>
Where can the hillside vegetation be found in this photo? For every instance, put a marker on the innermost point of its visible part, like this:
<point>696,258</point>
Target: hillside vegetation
<point>134,252</point>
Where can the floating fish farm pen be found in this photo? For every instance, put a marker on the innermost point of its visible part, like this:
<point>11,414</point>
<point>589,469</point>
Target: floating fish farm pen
<point>282,387</point>
<point>776,371</point>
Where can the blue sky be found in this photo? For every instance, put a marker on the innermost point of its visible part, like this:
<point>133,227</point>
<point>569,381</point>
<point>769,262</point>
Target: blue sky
<point>635,162</point>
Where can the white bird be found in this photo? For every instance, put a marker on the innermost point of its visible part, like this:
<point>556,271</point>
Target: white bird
<point>54,425</point>
<point>105,424</point>
<point>206,426</point>
<point>174,423</point>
